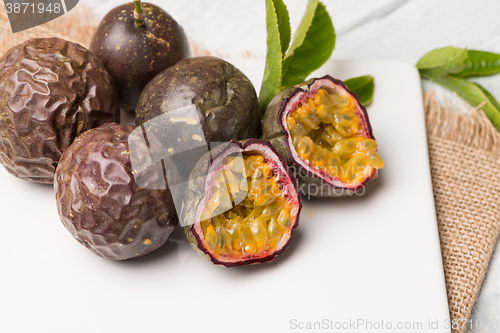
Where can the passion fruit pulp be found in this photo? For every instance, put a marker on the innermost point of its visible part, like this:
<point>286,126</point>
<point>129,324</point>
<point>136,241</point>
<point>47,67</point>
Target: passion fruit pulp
<point>324,132</point>
<point>242,205</point>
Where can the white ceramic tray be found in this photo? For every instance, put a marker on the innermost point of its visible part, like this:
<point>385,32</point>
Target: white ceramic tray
<point>355,261</point>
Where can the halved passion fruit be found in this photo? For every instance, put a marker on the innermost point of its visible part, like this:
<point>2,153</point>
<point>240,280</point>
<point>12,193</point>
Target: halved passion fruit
<point>242,204</point>
<point>324,132</point>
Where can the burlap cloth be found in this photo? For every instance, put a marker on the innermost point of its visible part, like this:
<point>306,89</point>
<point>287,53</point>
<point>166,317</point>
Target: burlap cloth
<point>463,150</point>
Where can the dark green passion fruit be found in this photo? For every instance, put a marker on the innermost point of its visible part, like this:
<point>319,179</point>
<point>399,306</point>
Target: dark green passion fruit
<point>223,99</point>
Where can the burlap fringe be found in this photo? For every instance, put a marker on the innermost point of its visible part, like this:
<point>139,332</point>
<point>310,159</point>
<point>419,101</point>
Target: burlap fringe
<point>471,128</point>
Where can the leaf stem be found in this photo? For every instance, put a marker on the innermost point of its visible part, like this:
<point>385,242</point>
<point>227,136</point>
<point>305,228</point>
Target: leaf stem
<point>139,15</point>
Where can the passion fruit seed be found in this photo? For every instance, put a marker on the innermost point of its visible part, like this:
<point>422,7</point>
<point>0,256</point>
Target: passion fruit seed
<point>256,224</point>
<point>325,131</point>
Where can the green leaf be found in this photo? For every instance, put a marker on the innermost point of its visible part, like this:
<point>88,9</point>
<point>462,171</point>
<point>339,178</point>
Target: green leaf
<point>363,86</point>
<point>443,61</point>
<point>480,63</point>
<point>470,92</point>
<point>300,34</point>
<point>489,95</point>
<point>312,45</point>
<point>271,82</point>
<point>283,25</point>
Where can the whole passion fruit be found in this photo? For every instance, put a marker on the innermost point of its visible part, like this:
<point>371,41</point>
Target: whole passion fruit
<point>134,53</point>
<point>242,205</point>
<point>51,90</point>
<point>324,133</point>
<point>225,100</point>
<point>99,200</point>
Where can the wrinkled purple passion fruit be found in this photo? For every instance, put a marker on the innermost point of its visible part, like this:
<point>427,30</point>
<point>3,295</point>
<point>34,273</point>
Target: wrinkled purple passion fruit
<point>51,90</point>
<point>134,55</point>
<point>324,133</point>
<point>100,202</point>
<point>242,204</point>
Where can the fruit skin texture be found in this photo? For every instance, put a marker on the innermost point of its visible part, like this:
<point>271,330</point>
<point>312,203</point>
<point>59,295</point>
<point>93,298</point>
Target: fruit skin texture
<point>275,131</point>
<point>100,203</point>
<point>51,90</point>
<point>134,55</point>
<point>196,196</point>
<point>224,98</point>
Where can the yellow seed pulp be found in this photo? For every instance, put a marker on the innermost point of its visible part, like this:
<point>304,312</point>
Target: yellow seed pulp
<point>325,131</point>
<point>247,212</point>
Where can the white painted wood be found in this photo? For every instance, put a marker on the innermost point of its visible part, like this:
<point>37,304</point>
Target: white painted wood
<point>383,29</point>
<point>234,28</point>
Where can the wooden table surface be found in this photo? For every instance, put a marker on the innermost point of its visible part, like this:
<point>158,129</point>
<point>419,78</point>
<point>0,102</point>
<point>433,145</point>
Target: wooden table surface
<point>401,30</point>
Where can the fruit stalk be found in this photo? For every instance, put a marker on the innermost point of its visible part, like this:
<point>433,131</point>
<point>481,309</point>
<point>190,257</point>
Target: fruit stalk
<point>139,15</point>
